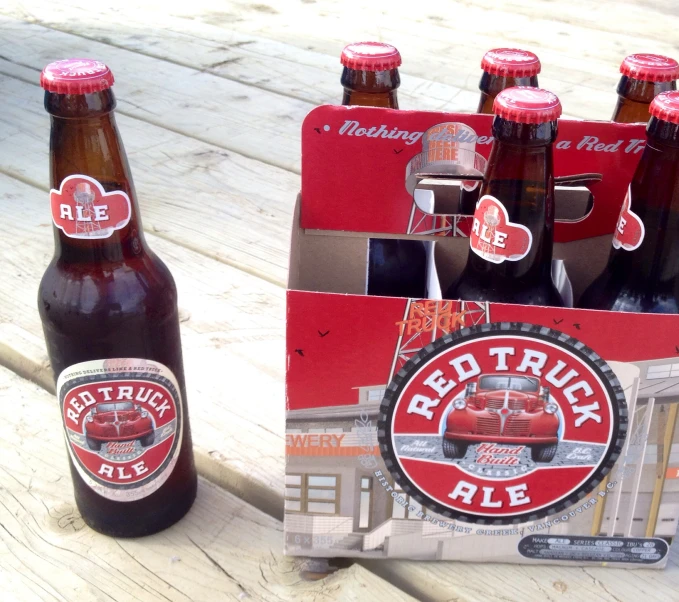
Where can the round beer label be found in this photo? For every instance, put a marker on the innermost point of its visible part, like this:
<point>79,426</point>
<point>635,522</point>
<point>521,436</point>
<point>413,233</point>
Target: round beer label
<point>502,423</point>
<point>123,424</point>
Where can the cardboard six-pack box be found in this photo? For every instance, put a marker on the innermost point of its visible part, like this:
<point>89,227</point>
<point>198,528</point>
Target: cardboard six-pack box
<point>452,430</point>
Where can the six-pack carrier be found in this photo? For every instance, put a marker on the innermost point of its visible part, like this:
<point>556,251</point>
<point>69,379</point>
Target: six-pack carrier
<point>448,429</point>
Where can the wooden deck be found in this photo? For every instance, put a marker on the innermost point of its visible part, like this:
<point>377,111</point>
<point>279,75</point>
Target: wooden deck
<point>211,98</point>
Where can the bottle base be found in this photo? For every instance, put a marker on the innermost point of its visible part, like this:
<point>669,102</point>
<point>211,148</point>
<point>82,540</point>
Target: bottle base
<point>149,525</point>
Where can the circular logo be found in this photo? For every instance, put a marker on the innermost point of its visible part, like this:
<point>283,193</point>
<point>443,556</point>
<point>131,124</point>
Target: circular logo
<point>502,423</point>
<point>123,424</point>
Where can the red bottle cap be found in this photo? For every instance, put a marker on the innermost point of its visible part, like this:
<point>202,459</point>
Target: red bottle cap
<point>527,105</point>
<point>665,106</point>
<point>76,76</point>
<point>511,62</point>
<point>650,67</point>
<point>370,56</point>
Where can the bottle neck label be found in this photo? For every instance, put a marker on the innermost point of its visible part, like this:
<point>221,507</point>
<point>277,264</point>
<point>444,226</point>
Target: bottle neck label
<point>629,231</point>
<point>123,424</point>
<point>82,209</point>
<point>493,237</point>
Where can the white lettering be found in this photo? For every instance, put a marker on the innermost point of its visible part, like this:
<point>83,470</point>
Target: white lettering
<point>106,471</point>
<point>499,240</point>
<point>465,491</point>
<point>162,408</point>
<point>125,393</point>
<point>475,226</point>
<point>440,385</point>
<point>580,385</point>
<point>517,497</point>
<point>65,212</point>
<point>459,362</point>
<point>488,497</point>
<point>420,404</point>
<point>106,392</point>
<point>552,375</point>
<point>140,468</point>
<point>156,395</point>
<point>587,414</point>
<point>535,360</point>
<point>501,353</point>
<point>100,213</point>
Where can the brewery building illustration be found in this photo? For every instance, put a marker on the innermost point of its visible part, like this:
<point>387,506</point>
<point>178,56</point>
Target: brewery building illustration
<point>335,502</point>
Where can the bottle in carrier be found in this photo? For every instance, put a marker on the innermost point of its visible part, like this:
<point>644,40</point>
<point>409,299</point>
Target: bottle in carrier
<point>502,68</point>
<point>108,306</point>
<point>642,274</point>
<point>396,268</point>
<point>510,245</point>
<point>644,76</point>
<point>506,68</point>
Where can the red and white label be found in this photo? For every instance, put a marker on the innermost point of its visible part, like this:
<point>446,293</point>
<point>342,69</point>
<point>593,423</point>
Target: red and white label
<point>501,426</point>
<point>493,237</point>
<point>82,209</point>
<point>629,231</point>
<point>123,424</point>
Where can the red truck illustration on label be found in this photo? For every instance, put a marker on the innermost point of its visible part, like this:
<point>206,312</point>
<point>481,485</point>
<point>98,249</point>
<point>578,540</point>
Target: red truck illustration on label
<point>507,409</point>
<point>118,422</point>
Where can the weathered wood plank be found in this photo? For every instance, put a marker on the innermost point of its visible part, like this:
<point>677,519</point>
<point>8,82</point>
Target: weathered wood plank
<point>223,549</point>
<point>260,62</point>
<point>232,331</point>
<point>507,582</point>
<point>226,113</point>
<point>234,209</point>
<point>445,42</point>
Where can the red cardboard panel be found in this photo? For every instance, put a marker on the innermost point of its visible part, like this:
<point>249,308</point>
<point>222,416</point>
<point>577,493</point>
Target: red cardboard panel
<point>354,162</point>
<point>337,343</point>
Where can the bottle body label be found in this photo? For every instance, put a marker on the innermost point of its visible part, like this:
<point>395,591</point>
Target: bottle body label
<point>493,237</point>
<point>82,209</point>
<point>123,424</point>
<point>629,231</point>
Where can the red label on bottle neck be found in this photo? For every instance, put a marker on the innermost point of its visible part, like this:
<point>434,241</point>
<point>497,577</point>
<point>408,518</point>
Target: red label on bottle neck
<point>82,209</point>
<point>493,237</point>
<point>629,231</point>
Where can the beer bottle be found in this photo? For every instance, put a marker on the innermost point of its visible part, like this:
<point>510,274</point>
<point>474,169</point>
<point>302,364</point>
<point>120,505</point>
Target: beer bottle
<point>642,274</point>
<point>644,76</point>
<point>510,245</point>
<point>502,68</point>
<point>396,268</point>
<point>108,306</point>
<point>506,68</point>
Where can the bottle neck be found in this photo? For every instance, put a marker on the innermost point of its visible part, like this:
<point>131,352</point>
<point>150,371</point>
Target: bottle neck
<point>84,141</point>
<point>520,176</point>
<point>370,88</point>
<point>635,97</point>
<point>492,85</point>
<point>654,198</point>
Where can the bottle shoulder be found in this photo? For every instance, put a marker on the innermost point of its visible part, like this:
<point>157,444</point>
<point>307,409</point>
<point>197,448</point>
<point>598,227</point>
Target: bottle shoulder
<point>141,287</point>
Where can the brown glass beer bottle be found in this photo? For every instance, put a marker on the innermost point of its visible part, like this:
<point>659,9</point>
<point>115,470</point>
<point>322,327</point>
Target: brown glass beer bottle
<point>109,312</point>
<point>642,274</point>
<point>644,76</point>
<point>506,68</point>
<point>510,245</point>
<point>502,68</point>
<point>396,268</point>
